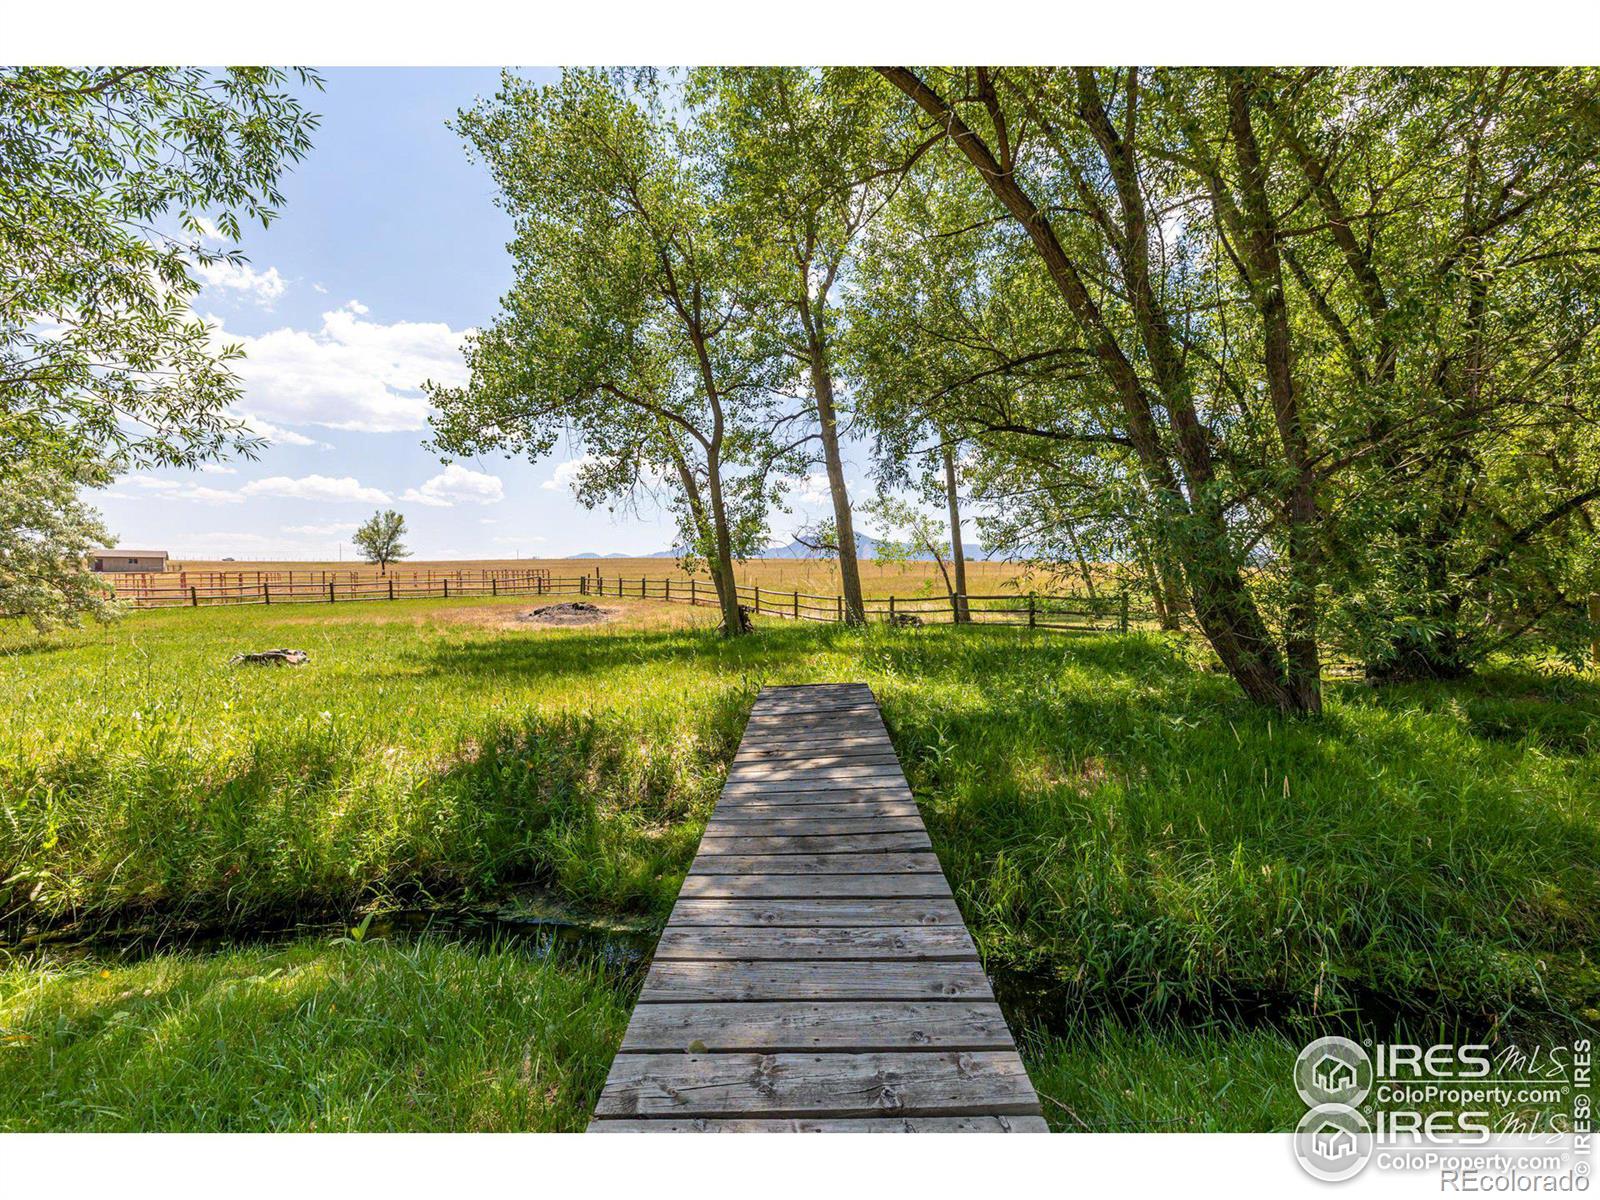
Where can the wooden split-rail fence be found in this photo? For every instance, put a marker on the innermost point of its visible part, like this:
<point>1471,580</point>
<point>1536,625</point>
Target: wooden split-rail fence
<point>816,974</point>
<point>1032,609</point>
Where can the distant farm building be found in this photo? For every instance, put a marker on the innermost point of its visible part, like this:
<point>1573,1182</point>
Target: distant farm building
<point>111,561</point>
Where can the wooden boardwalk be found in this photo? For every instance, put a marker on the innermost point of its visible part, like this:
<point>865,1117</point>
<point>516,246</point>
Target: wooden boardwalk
<point>816,974</point>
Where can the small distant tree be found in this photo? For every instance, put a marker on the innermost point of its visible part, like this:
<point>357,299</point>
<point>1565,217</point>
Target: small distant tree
<point>379,539</point>
<point>46,536</point>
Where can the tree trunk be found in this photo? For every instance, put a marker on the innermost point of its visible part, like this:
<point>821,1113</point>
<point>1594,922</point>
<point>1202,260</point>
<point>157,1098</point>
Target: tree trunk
<point>855,612</point>
<point>1198,532</point>
<point>1083,563</point>
<point>957,555</point>
<point>1265,279</point>
<point>722,565</point>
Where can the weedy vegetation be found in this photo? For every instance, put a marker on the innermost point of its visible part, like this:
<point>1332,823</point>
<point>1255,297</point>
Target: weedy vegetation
<point>1154,868</point>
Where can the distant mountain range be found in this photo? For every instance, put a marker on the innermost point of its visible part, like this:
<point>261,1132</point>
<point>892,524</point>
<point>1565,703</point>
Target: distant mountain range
<point>866,547</point>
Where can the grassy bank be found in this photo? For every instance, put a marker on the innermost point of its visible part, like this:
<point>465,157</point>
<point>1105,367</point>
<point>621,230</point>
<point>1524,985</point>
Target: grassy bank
<point>1127,837</point>
<point>426,1036</point>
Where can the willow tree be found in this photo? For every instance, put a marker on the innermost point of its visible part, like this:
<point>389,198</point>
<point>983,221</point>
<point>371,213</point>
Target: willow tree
<point>807,157</point>
<point>1433,239</point>
<point>112,181</point>
<point>631,328</point>
<point>955,341</point>
<point>1211,254</point>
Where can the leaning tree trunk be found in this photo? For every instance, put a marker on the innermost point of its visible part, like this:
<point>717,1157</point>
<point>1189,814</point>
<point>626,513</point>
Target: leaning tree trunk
<point>733,624</point>
<point>961,612</point>
<point>855,610</point>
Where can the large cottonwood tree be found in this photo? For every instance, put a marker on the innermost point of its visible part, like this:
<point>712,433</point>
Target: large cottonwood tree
<point>807,157</point>
<point>1291,444</point>
<point>632,327</point>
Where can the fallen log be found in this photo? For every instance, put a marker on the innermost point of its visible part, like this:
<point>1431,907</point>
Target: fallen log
<point>276,658</point>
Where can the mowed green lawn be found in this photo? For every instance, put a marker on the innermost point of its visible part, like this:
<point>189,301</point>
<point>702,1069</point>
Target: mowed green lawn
<point>1172,889</point>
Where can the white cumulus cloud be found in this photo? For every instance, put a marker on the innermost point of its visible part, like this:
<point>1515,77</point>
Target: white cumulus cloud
<point>179,489</point>
<point>566,474</point>
<point>456,484</point>
<point>331,529</point>
<point>275,433</point>
<point>242,280</point>
<point>809,489</point>
<point>352,373</point>
<point>324,488</point>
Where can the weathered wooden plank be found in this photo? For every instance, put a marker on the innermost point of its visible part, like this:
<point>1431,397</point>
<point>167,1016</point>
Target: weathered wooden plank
<point>816,775</point>
<point>798,1027</point>
<point>718,842</point>
<point>882,764</point>
<point>847,808</point>
<point>856,724</point>
<point>869,941</point>
<point>820,710</point>
<point>865,715</point>
<point>823,756</point>
<point>812,912</point>
<point>813,761</point>
<point>800,791</point>
<point>974,1124</point>
<point>932,1083</point>
<point>803,887</point>
<point>852,743</point>
<point>684,981</point>
<point>790,824</point>
<point>893,862</point>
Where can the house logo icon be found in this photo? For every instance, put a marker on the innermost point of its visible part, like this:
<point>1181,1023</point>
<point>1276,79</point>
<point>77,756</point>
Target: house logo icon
<point>1333,1142</point>
<point>1333,1074</point>
<point>1333,1070</point>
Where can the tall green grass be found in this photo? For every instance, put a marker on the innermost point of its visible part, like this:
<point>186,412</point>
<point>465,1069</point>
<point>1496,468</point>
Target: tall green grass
<point>427,1036</point>
<point>1121,828</point>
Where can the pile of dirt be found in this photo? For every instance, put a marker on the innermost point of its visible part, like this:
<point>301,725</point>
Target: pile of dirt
<point>574,612</point>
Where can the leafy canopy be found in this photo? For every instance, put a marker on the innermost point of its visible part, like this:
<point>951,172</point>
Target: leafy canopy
<point>115,183</point>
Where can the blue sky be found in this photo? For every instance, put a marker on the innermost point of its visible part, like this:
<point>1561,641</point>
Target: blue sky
<point>388,249</point>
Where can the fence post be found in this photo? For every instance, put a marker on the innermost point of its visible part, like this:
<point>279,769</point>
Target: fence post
<point>669,588</point>
<point>1122,616</point>
<point>446,582</point>
<point>891,610</point>
<point>330,591</point>
<point>391,587</point>
<point>1031,619</point>
<point>838,609</point>
<point>194,597</point>
<point>694,587</point>
<point>538,584</point>
<point>494,586</point>
<point>797,604</point>
<point>266,590</point>
<point>758,598</point>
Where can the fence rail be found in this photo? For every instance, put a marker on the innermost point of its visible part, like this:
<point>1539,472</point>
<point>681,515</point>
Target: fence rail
<point>1031,609</point>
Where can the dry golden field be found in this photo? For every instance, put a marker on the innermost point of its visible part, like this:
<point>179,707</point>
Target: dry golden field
<point>817,576</point>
